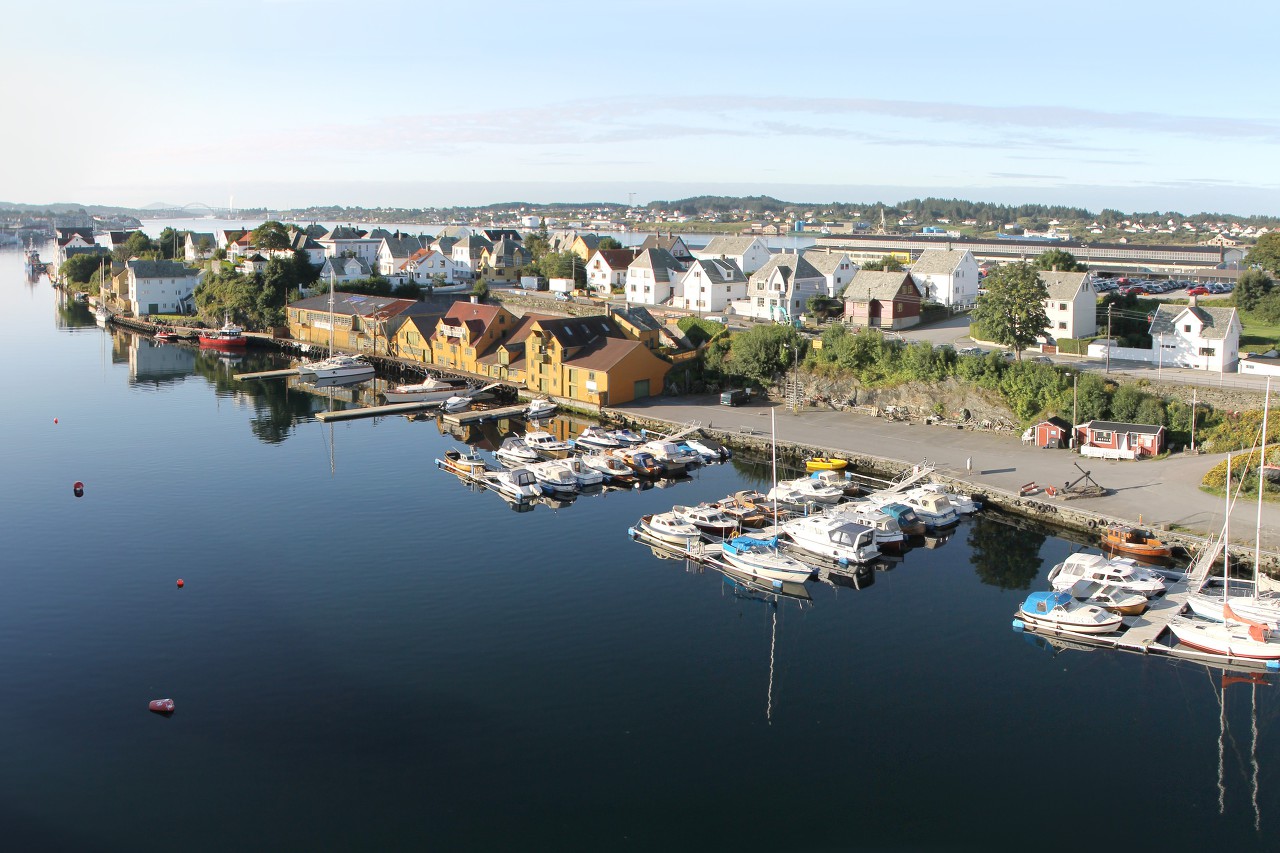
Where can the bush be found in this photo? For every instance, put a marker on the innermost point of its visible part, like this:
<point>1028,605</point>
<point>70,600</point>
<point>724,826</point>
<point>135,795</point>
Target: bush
<point>700,331</point>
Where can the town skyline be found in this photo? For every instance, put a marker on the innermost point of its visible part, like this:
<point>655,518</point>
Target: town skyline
<point>283,104</point>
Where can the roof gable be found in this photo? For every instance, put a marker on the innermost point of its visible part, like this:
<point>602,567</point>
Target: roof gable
<point>938,261</point>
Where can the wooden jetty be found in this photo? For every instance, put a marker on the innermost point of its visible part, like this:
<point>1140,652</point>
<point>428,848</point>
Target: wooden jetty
<point>267,374</point>
<point>374,411</point>
<point>473,415</point>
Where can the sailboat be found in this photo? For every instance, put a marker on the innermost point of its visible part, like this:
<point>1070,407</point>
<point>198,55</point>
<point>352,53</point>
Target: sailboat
<point>1237,635</point>
<point>101,313</point>
<point>346,367</point>
<point>759,557</point>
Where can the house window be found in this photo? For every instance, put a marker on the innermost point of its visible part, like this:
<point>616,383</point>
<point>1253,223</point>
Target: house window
<point>1186,328</point>
<point>1102,436</point>
<point>1208,351</point>
<point>1062,325</point>
<point>1062,306</point>
<point>760,301</point>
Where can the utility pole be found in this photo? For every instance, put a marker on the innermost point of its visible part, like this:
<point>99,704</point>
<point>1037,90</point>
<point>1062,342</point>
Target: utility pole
<point>1110,340</point>
<point>1193,419</point>
<point>1075,409</point>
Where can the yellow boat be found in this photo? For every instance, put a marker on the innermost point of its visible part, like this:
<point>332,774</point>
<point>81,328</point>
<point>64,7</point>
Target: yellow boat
<point>825,463</point>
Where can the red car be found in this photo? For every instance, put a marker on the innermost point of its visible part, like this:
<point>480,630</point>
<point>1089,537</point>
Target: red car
<point>1199,290</point>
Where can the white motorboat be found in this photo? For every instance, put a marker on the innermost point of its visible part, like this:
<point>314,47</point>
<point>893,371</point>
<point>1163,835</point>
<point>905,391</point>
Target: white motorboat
<point>889,535</point>
<point>805,490</point>
<point>836,480</point>
<point>760,559</point>
<point>963,504</point>
<point>457,403</point>
<point>518,483</point>
<point>833,537</point>
<point>708,449</point>
<point>931,508</point>
<point>547,444</point>
<point>1110,597</point>
<point>1058,610</point>
<point>514,452</point>
<point>597,438</point>
<point>708,519</point>
<point>539,407</point>
<point>583,474</point>
<point>429,390</point>
<point>336,367</point>
<point>554,476</point>
<point>671,457</point>
<point>626,437</point>
<point>613,468</point>
<point>668,527</point>
<point>1118,572</point>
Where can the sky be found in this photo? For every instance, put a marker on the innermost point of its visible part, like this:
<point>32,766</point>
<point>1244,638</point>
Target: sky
<point>289,103</point>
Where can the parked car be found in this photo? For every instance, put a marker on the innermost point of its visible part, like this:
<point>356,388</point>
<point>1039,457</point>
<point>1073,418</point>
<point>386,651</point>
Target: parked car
<point>1042,359</point>
<point>979,351</point>
<point>1199,290</point>
<point>736,397</point>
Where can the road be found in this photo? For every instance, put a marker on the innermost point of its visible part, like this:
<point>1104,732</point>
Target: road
<point>1161,491</point>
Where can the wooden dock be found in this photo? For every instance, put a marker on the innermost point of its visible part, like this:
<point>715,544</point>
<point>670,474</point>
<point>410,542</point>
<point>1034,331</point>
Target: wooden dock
<point>267,374</point>
<point>473,415</point>
<point>374,411</point>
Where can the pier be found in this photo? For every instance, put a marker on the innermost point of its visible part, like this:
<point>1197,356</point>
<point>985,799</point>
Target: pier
<point>373,411</point>
<point>267,374</point>
<point>473,415</point>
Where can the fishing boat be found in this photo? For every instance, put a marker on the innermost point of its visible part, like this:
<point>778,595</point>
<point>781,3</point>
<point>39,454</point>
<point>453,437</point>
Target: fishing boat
<point>539,407</point>
<point>429,390</point>
<point>1058,610</point>
<point>464,464</point>
<point>742,508</point>
<point>670,528</point>
<point>230,336</point>
<point>833,537</point>
<point>597,438</point>
<point>514,452</point>
<point>553,477</point>
<point>1118,572</point>
<point>707,518</point>
<point>1135,541</point>
<point>518,483</point>
<point>760,558</point>
<point>613,469</point>
<point>547,444</point>
<point>825,463</point>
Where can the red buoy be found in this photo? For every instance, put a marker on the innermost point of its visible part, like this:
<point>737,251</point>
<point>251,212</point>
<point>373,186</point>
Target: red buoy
<point>161,706</point>
<point>55,420</point>
<point>180,584</point>
<point>78,488</point>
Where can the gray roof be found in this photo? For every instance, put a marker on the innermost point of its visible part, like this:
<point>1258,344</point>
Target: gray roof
<point>444,244</point>
<point>728,245</point>
<point>719,270</point>
<point>791,265</point>
<point>379,307</point>
<point>1119,426</point>
<point>1215,321</point>
<point>938,261</point>
<point>878,284</point>
<point>456,232</point>
<point>346,232</point>
<point>668,243</point>
<point>161,269</point>
<point>825,262</point>
<point>342,264</point>
<point>1063,285</point>
<point>639,317</point>
<point>196,236</point>
<point>401,245</point>
<point>660,261</point>
<point>474,243</point>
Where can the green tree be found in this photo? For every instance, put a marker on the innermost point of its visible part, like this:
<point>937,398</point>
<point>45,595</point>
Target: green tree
<point>607,243</point>
<point>1151,411</point>
<point>763,352</point>
<point>169,244</point>
<point>138,245</point>
<point>79,269</point>
<point>480,290</point>
<point>1092,400</point>
<point>888,263</point>
<point>1266,252</point>
<point>1252,287</point>
<point>270,235</point>
<point>538,244</point>
<point>1125,403</point>
<point>1060,260</point>
<point>563,265</point>
<point>1012,310</point>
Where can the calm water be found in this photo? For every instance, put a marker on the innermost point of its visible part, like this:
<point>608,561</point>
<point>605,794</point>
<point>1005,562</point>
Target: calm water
<point>367,655</point>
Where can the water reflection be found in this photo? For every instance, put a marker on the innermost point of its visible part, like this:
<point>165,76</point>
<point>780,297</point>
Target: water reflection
<point>1002,555</point>
<point>747,589</point>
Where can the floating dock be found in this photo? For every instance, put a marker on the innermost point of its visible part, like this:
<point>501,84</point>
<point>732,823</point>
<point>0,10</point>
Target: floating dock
<point>267,374</point>
<point>374,411</point>
<point>472,415</point>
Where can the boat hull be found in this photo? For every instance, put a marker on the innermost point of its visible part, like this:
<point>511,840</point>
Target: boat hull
<point>1075,627</point>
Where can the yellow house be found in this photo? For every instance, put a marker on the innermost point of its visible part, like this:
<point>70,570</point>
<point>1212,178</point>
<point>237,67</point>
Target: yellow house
<point>467,331</point>
<point>413,339</point>
<point>359,323</point>
<point>638,324</point>
<point>585,245</point>
<point>505,261</point>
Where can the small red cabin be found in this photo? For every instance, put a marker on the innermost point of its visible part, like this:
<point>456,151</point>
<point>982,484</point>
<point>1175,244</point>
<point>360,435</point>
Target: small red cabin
<point>1114,440</point>
<point>1051,433</point>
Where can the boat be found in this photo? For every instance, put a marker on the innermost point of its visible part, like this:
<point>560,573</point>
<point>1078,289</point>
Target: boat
<point>554,477</point>
<point>596,438</point>
<point>348,367</point>
<point>963,504</point>
<point>464,464</point>
<point>833,537</point>
<point>1118,571</point>
<point>161,706</point>
<point>642,462</point>
<point>1135,541</point>
<point>515,452</point>
<point>1060,611</point>
<point>547,444</point>
<point>760,558</point>
<point>708,449</point>
<point>910,523</point>
<point>825,463</point>
<point>457,403</point>
<point>585,476</point>
<point>539,407</point>
<point>429,390</point>
<point>708,519</point>
<point>674,460</point>
<point>704,458</point>
<point>932,508</point>
<point>626,437</point>
<point>230,336</point>
<point>613,468</point>
<point>1110,597</point>
<point>1234,636</point>
<point>166,336</point>
<point>670,528</point>
<point>889,535</point>
<point>742,508</point>
<point>838,481</point>
<point>518,483</point>
<point>803,491</point>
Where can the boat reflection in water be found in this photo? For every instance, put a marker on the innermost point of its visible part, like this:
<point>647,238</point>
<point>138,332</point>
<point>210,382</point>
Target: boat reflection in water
<point>771,595</point>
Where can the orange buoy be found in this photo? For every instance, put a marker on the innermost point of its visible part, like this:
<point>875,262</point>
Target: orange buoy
<point>55,420</point>
<point>180,583</point>
<point>78,488</point>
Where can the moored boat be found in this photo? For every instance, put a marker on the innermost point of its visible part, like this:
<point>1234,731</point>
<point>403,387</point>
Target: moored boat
<point>742,507</point>
<point>464,464</point>
<point>825,463</point>
<point>613,468</point>
<point>1135,541</point>
<point>833,537</point>
<point>669,528</point>
<point>709,519</point>
<point>1119,572</point>
<point>1058,610</point>
<point>230,336</point>
<point>336,367</point>
<point>1110,597</point>
<point>642,462</point>
<point>760,558</point>
<point>429,390</point>
<point>596,438</point>
<point>547,444</point>
<point>514,452</point>
<point>554,477</point>
<point>539,407</point>
<point>888,533</point>
<point>518,483</point>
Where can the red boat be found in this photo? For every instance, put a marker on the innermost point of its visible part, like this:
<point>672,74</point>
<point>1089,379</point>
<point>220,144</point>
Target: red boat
<point>161,706</point>
<point>166,336</point>
<point>229,336</point>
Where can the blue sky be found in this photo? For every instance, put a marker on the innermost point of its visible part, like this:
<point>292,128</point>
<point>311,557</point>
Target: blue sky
<point>295,102</point>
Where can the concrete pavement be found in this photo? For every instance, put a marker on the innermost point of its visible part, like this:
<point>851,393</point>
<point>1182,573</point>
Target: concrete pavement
<point>1162,491</point>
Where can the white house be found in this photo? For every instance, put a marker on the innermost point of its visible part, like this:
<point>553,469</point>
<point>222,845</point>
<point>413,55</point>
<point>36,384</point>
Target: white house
<point>947,276</point>
<point>780,289</point>
<point>160,287</point>
<point>1072,306</point>
<point>651,277</point>
<point>354,242</point>
<point>749,253</point>
<point>425,264</point>
<point>837,267</point>
<point>1259,365</point>
<point>198,245</point>
<point>709,285</point>
<point>467,252</point>
<point>607,269</point>
<point>340,269</point>
<point>394,250</point>
<point>1196,337</point>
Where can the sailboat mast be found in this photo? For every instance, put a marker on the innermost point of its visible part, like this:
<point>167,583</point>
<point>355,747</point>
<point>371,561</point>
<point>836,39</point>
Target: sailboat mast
<point>331,313</point>
<point>1226,538</point>
<point>773,441</point>
<point>1262,479</point>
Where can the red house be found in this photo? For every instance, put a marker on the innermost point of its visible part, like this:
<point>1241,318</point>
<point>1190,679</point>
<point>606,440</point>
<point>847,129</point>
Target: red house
<point>882,300</point>
<point>1052,433</point>
<point>1113,440</point>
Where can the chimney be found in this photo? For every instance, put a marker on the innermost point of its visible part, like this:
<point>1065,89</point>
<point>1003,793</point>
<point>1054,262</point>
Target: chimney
<point>1192,301</point>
